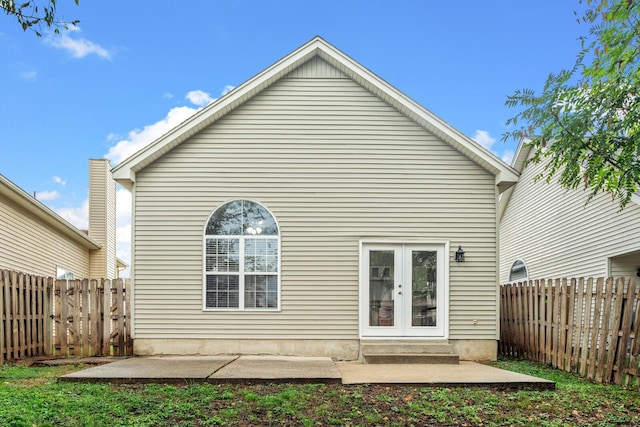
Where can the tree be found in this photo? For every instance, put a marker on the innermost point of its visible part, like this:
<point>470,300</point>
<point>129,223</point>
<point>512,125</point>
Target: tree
<point>31,16</point>
<point>586,122</point>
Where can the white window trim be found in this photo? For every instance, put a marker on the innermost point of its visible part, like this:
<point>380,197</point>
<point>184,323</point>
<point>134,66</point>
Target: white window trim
<point>526,268</point>
<point>241,272</point>
<point>66,273</point>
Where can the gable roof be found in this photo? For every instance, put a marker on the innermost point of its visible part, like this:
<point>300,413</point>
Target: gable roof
<point>125,172</point>
<point>18,196</point>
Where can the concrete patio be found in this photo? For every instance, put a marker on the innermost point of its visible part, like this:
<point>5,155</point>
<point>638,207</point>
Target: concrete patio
<point>252,369</point>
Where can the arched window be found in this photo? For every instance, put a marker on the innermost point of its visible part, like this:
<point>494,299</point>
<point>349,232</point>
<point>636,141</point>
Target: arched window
<point>518,271</point>
<point>242,260</point>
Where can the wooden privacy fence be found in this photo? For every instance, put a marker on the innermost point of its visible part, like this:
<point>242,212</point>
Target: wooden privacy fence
<point>25,302</point>
<point>44,317</point>
<point>585,326</point>
<point>92,318</point>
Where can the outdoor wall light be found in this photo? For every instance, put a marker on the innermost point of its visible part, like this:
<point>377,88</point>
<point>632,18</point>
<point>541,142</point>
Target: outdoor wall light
<point>459,254</point>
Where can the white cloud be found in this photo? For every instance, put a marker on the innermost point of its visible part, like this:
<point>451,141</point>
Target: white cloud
<point>77,47</point>
<point>59,180</point>
<point>47,195</point>
<point>167,95</point>
<point>30,76</point>
<point>78,216</point>
<point>227,89</point>
<point>483,138</point>
<point>507,156</point>
<point>199,98</point>
<point>138,139</point>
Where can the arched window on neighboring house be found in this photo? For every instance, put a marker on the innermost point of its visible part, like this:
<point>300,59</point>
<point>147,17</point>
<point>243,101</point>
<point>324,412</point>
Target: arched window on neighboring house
<point>241,259</point>
<point>519,271</point>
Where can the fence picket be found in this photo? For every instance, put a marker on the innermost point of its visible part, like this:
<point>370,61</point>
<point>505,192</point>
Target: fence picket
<point>614,328</point>
<point>106,324</point>
<point>84,325</point>
<point>586,329</point>
<point>4,317</point>
<point>576,325</point>
<point>595,329</point>
<point>549,321</point>
<point>120,317</point>
<point>537,327</point>
<point>625,330</point>
<point>75,321</point>
<point>64,317</point>
<point>49,321</point>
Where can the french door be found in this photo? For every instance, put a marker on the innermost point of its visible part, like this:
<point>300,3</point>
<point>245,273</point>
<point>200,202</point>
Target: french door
<point>403,290</point>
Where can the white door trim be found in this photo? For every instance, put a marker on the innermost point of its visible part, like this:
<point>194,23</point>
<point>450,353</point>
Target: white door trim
<point>400,330</point>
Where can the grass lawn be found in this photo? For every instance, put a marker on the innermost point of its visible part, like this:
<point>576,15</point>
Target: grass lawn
<point>30,396</point>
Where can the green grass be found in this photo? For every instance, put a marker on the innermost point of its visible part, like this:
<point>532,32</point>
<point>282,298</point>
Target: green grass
<point>32,397</point>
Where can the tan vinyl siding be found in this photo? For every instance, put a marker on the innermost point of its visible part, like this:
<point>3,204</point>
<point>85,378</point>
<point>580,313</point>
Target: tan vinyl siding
<point>335,165</point>
<point>29,245</point>
<point>557,235</point>
<point>102,218</point>
<point>316,67</point>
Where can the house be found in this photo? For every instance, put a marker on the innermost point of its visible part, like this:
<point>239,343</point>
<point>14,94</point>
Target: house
<point>312,209</point>
<point>547,231</point>
<point>36,240</point>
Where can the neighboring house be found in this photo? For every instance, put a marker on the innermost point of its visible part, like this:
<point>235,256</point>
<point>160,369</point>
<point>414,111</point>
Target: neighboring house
<point>547,231</point>
<point>36,240</point>
<point>311,209</point>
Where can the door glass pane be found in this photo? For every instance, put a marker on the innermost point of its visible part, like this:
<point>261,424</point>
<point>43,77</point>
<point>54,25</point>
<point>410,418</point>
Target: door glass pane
<point>381,284</point>
<point>424,269</point>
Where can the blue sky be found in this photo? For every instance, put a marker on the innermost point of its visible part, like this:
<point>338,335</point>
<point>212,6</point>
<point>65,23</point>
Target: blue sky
<point>132,70</point>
